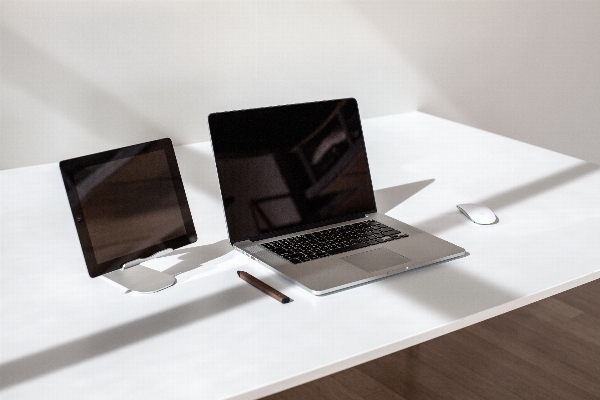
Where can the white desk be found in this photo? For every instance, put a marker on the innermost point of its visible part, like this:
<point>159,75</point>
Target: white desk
<point>211,336</point>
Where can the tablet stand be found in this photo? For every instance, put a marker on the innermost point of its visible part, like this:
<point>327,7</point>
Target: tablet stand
<point>141,279</point>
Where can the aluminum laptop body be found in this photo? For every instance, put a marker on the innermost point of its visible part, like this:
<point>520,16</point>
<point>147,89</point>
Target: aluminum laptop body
<point>302,170</point>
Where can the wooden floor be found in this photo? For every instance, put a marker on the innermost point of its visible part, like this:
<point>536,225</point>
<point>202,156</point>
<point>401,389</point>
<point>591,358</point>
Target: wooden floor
<point>547,350</point>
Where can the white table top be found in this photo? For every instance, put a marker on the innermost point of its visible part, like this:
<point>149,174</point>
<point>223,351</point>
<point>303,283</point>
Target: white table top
<point>212,336</point>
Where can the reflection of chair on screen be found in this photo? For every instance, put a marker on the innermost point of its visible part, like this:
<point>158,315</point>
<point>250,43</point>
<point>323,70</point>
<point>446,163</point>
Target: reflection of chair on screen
<point>129,206</point>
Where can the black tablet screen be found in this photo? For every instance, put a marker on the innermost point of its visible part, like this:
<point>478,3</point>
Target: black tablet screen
<point>129,204</point>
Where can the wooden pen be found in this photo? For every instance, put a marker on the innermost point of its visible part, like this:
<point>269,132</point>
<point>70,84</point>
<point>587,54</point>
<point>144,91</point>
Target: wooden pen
<point>260,285</point>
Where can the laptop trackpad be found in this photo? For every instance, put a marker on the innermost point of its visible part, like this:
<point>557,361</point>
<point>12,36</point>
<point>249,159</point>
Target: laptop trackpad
<point>375,260</point>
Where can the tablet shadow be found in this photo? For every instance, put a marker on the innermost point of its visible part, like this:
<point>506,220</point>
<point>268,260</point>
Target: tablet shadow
<point>193,257</point>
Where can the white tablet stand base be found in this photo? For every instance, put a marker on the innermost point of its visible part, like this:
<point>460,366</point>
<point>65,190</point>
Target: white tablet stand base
<point>140,279</point>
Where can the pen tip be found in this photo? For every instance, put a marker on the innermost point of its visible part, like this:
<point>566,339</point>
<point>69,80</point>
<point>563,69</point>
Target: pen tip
<point>238,273</point>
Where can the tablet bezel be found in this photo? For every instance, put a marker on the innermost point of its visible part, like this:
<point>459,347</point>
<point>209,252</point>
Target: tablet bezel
<point>70,167</point>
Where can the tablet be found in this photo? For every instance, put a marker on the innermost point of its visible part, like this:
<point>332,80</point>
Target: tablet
<point>127,204</point>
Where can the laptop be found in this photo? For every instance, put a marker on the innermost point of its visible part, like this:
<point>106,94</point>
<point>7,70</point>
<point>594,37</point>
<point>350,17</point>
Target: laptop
<point>298,197</point>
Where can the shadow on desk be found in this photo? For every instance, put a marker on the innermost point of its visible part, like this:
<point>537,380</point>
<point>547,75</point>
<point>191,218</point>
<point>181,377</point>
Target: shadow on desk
<point>76,351</point>
<point>452,291</point>
<point>191,258</point>
<point>462,294</point>
<point>496,202</point>
<point>194,257</point>
<point>448,290</point>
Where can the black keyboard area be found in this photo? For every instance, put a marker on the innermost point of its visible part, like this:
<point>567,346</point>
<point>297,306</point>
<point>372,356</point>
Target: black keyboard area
<point>332,241</point>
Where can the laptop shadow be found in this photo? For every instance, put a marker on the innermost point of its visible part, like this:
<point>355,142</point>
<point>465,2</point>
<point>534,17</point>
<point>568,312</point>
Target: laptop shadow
<point>388,198</point>
<point>194,257</point>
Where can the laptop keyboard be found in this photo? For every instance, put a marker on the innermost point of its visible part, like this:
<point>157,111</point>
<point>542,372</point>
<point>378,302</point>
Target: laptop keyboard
<point>332,241</point>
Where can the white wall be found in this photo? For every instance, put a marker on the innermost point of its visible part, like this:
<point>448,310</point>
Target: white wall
<point>529,70</point>
<point>87,76</point>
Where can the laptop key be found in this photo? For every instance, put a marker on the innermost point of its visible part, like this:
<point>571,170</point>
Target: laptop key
<point>338,240</point>
<point>348,248</point>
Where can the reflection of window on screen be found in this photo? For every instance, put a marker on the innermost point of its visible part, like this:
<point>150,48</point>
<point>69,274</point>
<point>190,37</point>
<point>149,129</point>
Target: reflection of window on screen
<point>129,204</point>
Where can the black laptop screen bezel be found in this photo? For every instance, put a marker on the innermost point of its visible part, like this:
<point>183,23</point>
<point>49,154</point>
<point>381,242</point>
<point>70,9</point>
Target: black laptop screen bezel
<point>219,124</point>
<point>69,168</point>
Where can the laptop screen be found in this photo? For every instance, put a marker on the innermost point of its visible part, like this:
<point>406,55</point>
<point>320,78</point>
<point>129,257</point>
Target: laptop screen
<point>286,168</point>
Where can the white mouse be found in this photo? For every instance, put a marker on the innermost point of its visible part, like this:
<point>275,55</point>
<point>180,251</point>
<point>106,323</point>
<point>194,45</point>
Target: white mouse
<point>478,213</point>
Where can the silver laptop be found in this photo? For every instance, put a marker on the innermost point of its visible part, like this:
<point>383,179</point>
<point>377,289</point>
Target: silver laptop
<point>298,197</point>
